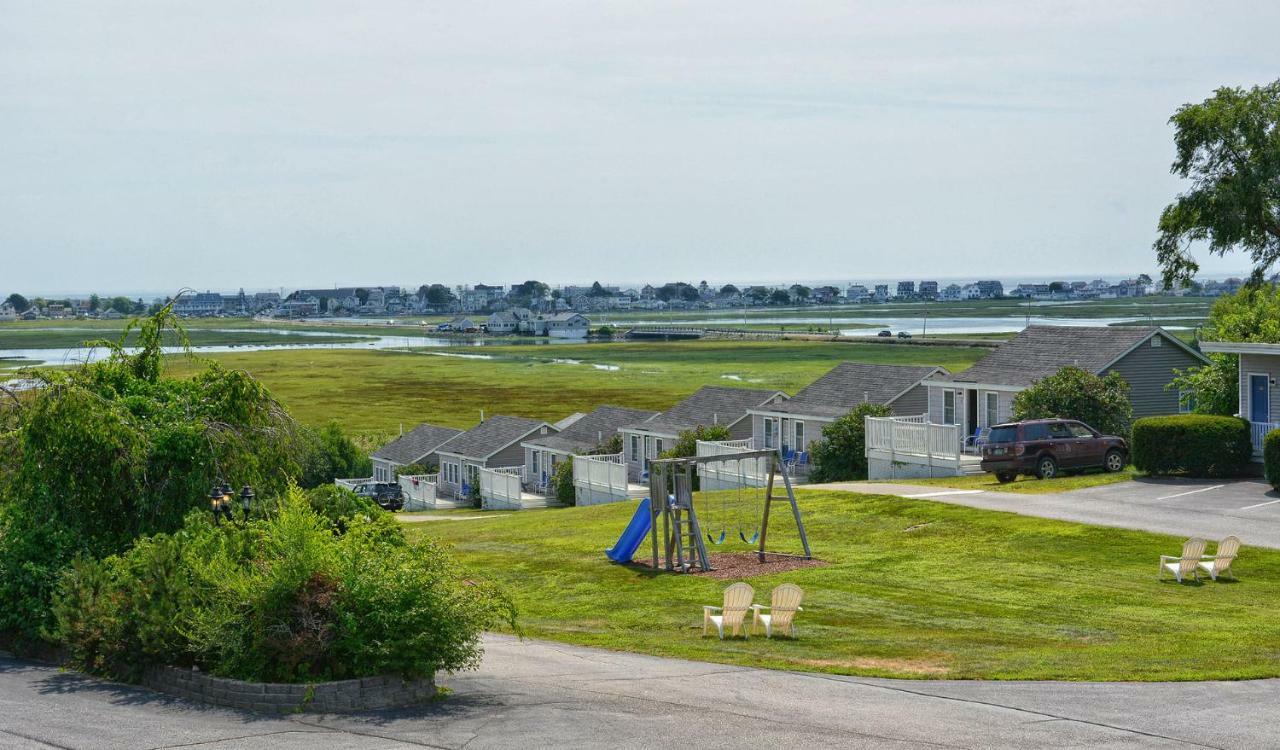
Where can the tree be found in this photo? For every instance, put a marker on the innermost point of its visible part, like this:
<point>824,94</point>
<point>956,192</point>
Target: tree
<point>758,294</point>
<point>687,444</point>
<point>1229,147</point>
<point>728,290</point>
<point>122,305</point>
<point>95,303</point>
<point>800,292</point>
<point>779,297</point>
<point>362,294</point>
<point>562,483</point>
<point>439,294</point>
<point>528,292</point>
<point>1057,286</point>
<point>841,454</point>
<point>1073,393</point>
<point>18,302</point>
<point>1250,315</point>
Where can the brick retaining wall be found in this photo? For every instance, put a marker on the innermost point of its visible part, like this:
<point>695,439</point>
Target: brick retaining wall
<point>326,697</point>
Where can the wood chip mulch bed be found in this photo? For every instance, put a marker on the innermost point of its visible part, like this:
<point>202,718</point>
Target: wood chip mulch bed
<point>738,565</point>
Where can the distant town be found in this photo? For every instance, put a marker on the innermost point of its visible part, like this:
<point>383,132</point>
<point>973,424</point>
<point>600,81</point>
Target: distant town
<point>536,307</point>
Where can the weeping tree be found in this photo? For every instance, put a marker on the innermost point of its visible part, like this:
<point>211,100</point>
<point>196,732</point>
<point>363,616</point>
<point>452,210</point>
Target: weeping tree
<point>101,454</point>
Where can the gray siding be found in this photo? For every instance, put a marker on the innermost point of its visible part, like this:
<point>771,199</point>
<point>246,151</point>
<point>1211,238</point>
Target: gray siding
<point>1259,364</point>
<point>740,430</point>
<point>512,455</point>
<point>1148,369</point>
<point>912,403</point>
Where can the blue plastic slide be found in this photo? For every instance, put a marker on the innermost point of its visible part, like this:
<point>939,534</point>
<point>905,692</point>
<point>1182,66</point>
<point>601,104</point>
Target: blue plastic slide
<point>633,535</point>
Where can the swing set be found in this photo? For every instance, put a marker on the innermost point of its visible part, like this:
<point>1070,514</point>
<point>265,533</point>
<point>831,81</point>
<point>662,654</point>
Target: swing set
<point>684,544</point>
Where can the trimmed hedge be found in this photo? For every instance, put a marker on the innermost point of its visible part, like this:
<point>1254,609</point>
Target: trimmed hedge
<point>1271,457</point>
<point>1194,445</point>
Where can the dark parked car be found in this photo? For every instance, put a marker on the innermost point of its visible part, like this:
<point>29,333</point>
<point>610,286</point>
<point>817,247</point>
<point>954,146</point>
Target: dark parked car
<point>1049,447</point>
<point>387,495</point>
<point>886,333</point>
<point>904,334</point>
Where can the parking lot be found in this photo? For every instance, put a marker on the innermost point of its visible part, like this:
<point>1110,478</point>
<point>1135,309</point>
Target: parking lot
<point>1248,508</point>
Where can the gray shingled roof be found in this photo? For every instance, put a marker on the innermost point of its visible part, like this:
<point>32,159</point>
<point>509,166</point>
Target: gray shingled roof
<point>1043,350</point>
<point>492,435</point>
<point>585,434</point>
<point>710,405</point>
<point>851,383</point>
<point>416,444</point>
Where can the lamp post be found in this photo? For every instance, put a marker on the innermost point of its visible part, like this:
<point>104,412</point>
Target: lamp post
<point>246,500</point>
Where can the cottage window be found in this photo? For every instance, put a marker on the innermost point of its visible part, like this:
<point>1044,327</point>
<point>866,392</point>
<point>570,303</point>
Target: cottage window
<point>1186,401</point>
<point>993,408</point>
<point>635,447</point>
<point>768,433</point>
<point>1156,341</point>
<point>536,468</point>
<point>948,407</point>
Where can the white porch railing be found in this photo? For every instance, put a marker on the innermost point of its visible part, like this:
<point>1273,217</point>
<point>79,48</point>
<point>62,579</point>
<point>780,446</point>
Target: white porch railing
<point>599,479</point>
<point>1258,432</point>
<point>732,473</point>
<point>501,488</point>
<point>419,490</point>
<point>912,436</point>
<point>351,484</point>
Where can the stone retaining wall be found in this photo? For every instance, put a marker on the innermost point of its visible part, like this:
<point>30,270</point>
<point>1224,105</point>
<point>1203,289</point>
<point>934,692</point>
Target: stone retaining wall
<point>325,697</point>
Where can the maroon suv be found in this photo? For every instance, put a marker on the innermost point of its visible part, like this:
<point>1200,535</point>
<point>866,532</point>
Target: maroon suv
<point>1049,447</point>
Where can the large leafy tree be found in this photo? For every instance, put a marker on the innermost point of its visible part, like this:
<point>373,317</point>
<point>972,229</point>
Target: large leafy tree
<point>104,453</point>
<point>1229,147</point>
<point>19,302</point>
<point>1250,315</point>
<point>1072,393</point>
<point>841,454</point>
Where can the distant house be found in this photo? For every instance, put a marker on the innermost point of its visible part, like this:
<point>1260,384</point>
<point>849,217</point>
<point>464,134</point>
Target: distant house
<point>494,443</point>
<point>417,446</point>
<point>707,407</point>
<point>7,311</point>
<point>1259,368</point>
<point>584,435</point>
<point>199,305</point>
<point>565,325</point>
<point>463,324</point>
<point>509,321</point>
<point>795,422</point>
<point>983,394</point>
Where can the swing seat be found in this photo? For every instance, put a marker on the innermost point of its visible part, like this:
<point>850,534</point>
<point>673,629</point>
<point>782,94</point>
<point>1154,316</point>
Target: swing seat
<point>711,538</point>
<point>754,536</point>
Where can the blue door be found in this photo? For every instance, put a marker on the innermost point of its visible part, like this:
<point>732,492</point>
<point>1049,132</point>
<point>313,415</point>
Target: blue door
<point>1259,398</point>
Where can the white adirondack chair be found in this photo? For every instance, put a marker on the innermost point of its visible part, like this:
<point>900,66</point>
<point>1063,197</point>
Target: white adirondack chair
<point>1187,564</point>
<point>783,605</point>
<point>737,600</point>
<point>1220,562</point>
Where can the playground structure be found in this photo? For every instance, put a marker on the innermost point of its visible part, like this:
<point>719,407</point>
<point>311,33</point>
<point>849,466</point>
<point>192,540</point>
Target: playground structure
<point>683,546</point>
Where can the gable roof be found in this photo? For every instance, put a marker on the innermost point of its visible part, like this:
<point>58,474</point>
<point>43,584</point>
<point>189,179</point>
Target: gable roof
<point>416,444</point>
<point>492,435</point>
<point>851,383</point>
<point>591,430</point>
<point>709,405</point>
<point>1043,350</point>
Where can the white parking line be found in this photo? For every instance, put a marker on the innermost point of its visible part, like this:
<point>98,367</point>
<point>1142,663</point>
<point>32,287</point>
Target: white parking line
<point>1192,492</point>
<point>947,492</point>
<point>1259,505</point>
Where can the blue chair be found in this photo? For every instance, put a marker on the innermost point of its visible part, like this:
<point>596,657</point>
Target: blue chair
<point>802,458</point>
<point>979,438</point>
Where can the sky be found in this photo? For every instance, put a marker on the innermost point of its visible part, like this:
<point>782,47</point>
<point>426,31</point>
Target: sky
<point>159,145</point>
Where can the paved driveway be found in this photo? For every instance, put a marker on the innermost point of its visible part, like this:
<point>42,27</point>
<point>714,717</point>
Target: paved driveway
<point>534,694</point>
<point>1249,509</point>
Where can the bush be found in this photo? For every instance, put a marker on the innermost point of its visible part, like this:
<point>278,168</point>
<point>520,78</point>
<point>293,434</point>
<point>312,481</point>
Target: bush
<point>279,599</point>
<point>1195,445</point>
<point>841,454</point>
<point>562,484</point>
<point>1271,457</point>
<point>333,456</point>
<point>1073,393</point>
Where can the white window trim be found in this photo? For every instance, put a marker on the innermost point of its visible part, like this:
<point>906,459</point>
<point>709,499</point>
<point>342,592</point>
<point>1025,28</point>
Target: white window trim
<point>991,410</point>
<point>952,395</point>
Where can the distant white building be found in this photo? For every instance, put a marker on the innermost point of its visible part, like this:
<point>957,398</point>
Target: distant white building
<point>953,292</point>
<point>7,311</point>
<point>855,293</point>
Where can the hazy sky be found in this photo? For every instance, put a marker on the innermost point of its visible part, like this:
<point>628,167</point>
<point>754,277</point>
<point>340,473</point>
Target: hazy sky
<point>152,145</point>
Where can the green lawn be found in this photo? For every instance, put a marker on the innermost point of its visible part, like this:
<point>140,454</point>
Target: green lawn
<point>1027,485</point>
<point>913,589</point>
<point>377,391</point>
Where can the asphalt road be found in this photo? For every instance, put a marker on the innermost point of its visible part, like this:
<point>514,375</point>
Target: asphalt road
<point>535,694</point>
<point>1249,509</point>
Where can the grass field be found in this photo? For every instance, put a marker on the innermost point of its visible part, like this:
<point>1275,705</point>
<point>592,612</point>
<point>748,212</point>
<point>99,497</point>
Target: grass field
<point>377,391</point>
<point>913,589</point>
<point>1027,485</point>
<point>70,337</point>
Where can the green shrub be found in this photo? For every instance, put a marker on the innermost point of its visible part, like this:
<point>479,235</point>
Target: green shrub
<point>1073,393</point>
<point>562,483</point>
<point>1271,457</point>
<point>1195,445</point>
<point>280,598</point>
<point>841,453</point>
